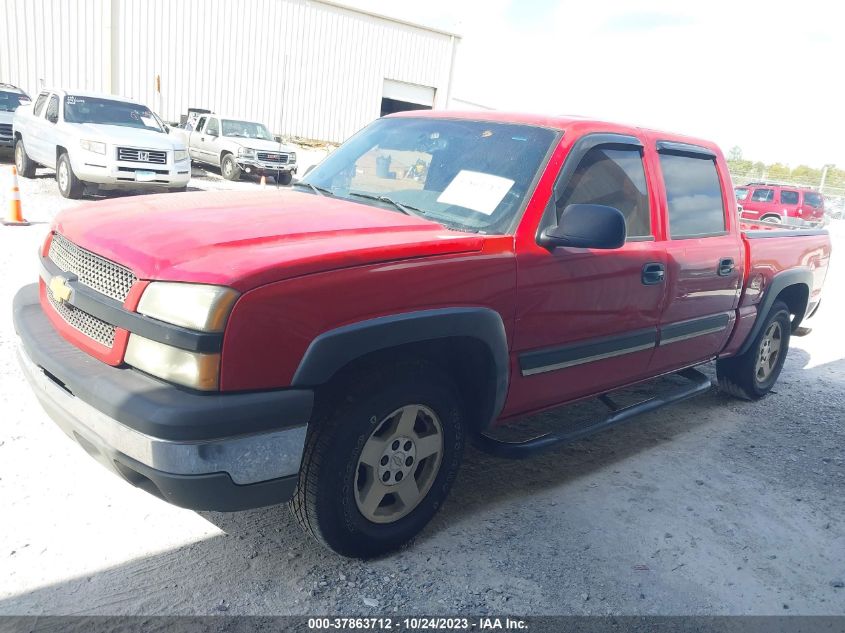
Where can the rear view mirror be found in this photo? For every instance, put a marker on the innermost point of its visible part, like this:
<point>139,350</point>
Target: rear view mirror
<point>587,226</point>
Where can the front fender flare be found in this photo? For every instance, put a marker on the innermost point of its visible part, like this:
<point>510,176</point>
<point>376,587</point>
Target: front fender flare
<point>336,348</point>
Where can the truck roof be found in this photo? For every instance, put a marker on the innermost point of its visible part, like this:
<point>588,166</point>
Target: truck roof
<point>574,123</point>
<point>11,88</point>
<point>92,94</point>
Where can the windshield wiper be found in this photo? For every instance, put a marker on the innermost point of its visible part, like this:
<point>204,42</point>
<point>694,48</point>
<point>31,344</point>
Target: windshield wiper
<point>320,191</point>
<point>407,209</point>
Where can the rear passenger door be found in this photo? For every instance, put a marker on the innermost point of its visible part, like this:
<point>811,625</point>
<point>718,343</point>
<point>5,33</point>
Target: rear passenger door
<point>704,257</point>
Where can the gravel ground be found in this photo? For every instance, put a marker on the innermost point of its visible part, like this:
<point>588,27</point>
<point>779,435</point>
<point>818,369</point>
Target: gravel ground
<point>714,506</point>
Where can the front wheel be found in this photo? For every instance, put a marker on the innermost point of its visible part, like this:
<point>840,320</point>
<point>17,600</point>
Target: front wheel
<point>284,178</point>
<point>24,166</point>
<point>753,374</point>
<point>69,185</point>
<point>379,463</point>
<point>229,168</point>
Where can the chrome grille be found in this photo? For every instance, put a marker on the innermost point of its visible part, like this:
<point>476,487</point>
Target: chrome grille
<point>274,157</point>
<point>6,129</point>
<point>98,273</point>
<point>141,155</point>
<point>89,325</point>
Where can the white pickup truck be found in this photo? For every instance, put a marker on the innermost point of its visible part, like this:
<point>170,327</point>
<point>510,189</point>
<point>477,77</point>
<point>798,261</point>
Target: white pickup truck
<point>99,140</point>
<point>237,146</point>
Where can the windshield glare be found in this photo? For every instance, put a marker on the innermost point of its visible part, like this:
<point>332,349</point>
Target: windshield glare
<point>9,101</point>
<point>246,129</point>
<point>468,175</point>
<point>108,112</point>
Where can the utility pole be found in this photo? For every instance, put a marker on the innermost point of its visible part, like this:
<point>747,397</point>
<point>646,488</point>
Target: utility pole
<point>824,177</point>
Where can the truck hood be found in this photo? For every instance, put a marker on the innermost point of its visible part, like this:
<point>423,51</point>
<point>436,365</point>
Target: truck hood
<point>259,144</point>
<point>129,136</point>
<point>247,240</point>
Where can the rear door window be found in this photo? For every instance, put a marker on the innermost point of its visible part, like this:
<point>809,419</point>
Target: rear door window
<point>213,127</point>
<point>788,197</point>
<point>39,103</point>
<point>741,193</point>
<point>763,195</point>
<point>694,195</point>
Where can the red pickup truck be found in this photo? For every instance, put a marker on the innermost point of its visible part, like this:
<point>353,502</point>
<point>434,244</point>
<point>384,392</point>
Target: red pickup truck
<point>437,275</point>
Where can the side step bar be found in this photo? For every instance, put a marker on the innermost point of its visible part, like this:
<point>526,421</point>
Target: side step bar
<point>699,383</point>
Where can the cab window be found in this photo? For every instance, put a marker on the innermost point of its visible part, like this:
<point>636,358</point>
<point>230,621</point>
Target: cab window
<point>694,196</point>
<point>200,124</point>
<point>614,178</point>
<point>213,128</point>
<point>52,113</point>
<point>741,193</point>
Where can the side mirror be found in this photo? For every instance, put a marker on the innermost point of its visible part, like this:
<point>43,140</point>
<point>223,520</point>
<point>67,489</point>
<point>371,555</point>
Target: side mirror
<point>587,226</point>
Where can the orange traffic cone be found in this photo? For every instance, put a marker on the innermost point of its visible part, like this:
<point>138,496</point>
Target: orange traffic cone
<point>263,181</point>
<point>15,218</point>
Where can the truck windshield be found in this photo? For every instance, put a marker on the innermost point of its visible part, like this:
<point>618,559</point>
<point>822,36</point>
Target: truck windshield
<point>467,175</point>
<point>9,101</point>
<point>246,129</point>
<point>109,112</point>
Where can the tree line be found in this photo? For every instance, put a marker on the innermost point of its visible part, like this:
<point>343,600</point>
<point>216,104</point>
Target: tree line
<point>742,168</point>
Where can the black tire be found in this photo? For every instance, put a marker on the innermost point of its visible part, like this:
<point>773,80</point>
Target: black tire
<point>23,164</point>
<point>178,189</point>
<point>69,185</point>
<point>325,500</point>
<point>740,375</point>
<point>284,178</point>
<point>229,168</point>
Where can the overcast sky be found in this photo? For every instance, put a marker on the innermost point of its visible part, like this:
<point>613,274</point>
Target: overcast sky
<point>750,73</point>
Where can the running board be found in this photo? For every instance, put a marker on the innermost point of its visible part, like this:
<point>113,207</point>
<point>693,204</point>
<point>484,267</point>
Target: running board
<point>699,383</point>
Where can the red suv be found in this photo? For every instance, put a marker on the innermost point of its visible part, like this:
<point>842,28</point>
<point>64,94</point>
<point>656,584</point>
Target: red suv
<point>780,204</point>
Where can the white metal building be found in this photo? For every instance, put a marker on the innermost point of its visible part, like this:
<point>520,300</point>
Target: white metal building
<point>306,68</point>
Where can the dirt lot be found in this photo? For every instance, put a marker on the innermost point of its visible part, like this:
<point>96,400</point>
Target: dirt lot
<point>712,507</point>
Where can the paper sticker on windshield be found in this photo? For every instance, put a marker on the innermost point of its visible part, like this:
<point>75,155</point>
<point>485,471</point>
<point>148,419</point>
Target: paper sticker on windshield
<point>476,190</point>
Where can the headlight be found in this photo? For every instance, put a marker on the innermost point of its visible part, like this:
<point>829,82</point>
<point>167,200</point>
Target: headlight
<point>247,152</point>
<point>179,155</point>
<point>196,306</point>
<point>199,371</point>
<point>93,146</point>
<point>292,158</point>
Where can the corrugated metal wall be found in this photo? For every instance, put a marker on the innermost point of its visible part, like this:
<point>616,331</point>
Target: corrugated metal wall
<point>305,68</point>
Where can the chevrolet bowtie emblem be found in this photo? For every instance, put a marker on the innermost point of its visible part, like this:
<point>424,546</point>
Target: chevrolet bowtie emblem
<point>59,288</point>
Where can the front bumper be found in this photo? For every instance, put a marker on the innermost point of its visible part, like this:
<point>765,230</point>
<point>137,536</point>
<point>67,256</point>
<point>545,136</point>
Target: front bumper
<point>161,438</point>
<point>251,165</point>
<point>108,174</point>
<point>7,141</point>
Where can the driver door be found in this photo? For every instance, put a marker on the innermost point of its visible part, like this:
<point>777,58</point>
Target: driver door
<point>587,319</point>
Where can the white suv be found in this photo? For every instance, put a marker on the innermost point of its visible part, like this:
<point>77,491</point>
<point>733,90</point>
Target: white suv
<point>101,140</point>
<point>10,98</point>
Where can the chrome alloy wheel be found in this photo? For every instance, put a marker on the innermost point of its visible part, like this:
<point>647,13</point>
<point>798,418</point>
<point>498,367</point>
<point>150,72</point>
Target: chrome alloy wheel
<point>19,158</point>
<point>399,463</point>
<point>769,352</point>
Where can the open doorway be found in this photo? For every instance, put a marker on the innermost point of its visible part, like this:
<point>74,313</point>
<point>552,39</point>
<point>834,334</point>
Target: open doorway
<point>399,96</point>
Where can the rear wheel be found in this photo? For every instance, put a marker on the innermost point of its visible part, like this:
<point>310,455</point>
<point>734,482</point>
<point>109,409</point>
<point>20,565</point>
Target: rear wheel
<point>69,185</point>
<point>229,168</point>
<point>24,166</point>
<point>772,219</point>
<point>753,374</point>
<point>380,460</point>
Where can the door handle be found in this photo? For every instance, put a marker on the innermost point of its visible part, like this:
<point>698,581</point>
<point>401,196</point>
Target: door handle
<point>726,266</point>
<point>653,273</point>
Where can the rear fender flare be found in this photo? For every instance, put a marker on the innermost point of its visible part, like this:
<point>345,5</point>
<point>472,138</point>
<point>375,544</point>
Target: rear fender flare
<point>779,283</point>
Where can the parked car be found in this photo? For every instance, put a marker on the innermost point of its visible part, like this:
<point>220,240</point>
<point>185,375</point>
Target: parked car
<point>100,140</point>
<point>336,344</point>
<point>781,204</point>
<point>10,98</point>
<point>237,146</point>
